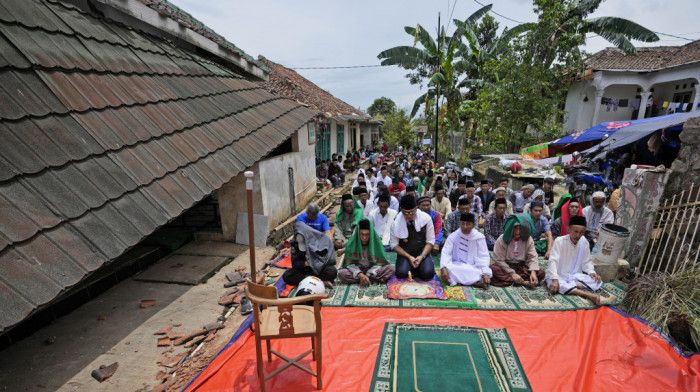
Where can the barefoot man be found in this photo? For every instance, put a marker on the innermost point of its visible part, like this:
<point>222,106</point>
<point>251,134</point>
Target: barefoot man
<point>570,270</point>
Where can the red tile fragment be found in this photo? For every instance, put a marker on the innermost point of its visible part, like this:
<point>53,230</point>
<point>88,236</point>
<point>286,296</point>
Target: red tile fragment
<point>147,303</point>
<point>163,330</point>
<point>175,334</point>
<point>164,341</point>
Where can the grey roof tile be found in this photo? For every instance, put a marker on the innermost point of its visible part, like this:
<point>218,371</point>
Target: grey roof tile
<point>108,134</point>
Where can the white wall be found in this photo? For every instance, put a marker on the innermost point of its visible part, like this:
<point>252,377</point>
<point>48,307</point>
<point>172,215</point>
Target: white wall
<point>622,114</point>
<point>274,179</point>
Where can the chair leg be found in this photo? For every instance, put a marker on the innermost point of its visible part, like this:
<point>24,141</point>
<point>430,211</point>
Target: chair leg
<point>313,346</point>
<point>319,379</point>
<point>269,351</point>
<point>259,358</point>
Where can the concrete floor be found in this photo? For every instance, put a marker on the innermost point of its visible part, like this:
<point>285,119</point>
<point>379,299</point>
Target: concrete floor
<point>83,343</point>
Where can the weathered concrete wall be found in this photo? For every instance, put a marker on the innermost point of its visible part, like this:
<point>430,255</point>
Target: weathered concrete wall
<point>232,199</point>
<point>639,198</point>
<point>271,194</point>
<point>686,167</point>
<point>274,174</point>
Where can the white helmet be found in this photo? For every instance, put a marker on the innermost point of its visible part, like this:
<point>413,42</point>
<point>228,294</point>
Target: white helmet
<point>310,285</point>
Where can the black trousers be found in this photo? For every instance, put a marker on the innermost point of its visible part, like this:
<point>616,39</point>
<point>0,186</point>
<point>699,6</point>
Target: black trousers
<point>294,276</point>
<point>425,270</point>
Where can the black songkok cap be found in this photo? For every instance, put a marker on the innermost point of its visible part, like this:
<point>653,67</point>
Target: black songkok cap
<point>462,181</point>
<point>384,199</point>
<point>410,188</point>
<point>484,182</point>
<point>463,202</point>
<point>439,187</point>
<point>364,224</point>
<point>577,221</point>
<point>468,217</point>
<point>408,203</point>
<point>470,184</point>
<point>346,196</point>
<point>356,191</point>
<point>361,191</point>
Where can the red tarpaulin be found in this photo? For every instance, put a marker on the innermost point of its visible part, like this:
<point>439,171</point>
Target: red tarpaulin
<point>582,350</point>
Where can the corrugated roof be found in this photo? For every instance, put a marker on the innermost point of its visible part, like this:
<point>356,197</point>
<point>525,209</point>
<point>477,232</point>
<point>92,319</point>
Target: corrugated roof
<point>107,134</point>
<point>647,59</point>
<point>290,84</point>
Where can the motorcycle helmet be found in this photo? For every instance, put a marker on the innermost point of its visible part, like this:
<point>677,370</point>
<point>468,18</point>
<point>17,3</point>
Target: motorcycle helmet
<point>310,285</point>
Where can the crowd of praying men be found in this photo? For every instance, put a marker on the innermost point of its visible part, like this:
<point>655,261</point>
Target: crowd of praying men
<point>409,205</point>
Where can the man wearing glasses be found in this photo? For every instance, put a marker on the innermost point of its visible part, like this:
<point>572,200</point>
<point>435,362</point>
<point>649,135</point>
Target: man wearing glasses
<point>412,238</point>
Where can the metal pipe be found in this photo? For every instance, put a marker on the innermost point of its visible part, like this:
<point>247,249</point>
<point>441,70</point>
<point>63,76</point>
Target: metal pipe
<point>251,228</point>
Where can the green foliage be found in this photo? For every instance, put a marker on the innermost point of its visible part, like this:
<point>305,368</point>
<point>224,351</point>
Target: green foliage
<point>381,106</point>
<point>524,85</point>
<point>397,129</point>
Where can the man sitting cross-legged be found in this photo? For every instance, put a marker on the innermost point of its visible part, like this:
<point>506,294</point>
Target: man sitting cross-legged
<point>465,258</point>
<point>514,255</point>
<point>412,238</point>
<point>365,260</point>
<point>570,270</point>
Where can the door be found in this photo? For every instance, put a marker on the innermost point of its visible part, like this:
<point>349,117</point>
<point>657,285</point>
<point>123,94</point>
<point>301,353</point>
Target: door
<point>340,137</point>
<point>323,141</point>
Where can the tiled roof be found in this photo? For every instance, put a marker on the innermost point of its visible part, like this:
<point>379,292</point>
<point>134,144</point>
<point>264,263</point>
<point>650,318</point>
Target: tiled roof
<point>648,58</point>
<point>107,134</point>
<point>290,84</point>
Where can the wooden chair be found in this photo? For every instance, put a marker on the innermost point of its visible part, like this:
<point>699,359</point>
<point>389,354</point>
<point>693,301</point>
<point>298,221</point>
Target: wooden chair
<point>284,318</point>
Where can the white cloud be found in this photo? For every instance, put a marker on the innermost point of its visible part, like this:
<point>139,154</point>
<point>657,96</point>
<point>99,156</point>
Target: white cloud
<point>312,33</point>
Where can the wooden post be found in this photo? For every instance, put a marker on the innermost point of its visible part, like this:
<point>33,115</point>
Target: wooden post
<point>251,229</point>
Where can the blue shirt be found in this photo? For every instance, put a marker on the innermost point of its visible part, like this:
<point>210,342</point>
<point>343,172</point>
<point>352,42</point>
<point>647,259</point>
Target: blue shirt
<point>320,224</point>
<point>541,226</point>
<point>437,223</point>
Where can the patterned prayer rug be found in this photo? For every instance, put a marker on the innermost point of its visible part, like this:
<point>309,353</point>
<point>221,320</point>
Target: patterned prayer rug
<point>446,358</point>
<point>412,289</point>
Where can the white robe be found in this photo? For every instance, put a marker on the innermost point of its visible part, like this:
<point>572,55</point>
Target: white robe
<point>570,264</point>
<point>382,224</point>
<point>466,257</point>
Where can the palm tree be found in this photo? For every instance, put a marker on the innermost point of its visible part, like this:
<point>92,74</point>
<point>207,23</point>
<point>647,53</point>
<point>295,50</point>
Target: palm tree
<point>571,21</point>
<point>442,57</point>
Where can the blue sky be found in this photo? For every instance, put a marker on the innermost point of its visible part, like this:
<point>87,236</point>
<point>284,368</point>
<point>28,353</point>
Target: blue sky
<point>316,33</point>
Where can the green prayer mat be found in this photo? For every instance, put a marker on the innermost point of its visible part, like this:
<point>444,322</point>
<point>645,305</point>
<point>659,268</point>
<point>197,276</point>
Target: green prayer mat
<point>495,298</point>
<point>415,357</point>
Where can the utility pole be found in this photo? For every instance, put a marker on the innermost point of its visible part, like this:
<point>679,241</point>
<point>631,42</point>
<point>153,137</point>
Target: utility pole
<point>437,91</point>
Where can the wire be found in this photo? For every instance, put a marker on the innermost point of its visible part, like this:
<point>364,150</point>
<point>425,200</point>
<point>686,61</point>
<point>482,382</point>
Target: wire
<point>349,66</point>
<point>674,36</point>
<point>502,16</point>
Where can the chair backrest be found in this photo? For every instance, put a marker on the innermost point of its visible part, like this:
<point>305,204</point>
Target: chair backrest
<point>259,290</point>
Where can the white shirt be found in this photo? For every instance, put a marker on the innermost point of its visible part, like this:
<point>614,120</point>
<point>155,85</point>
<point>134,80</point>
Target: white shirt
<point>366,208</point>
<point>394,204</point>
<point>399,229</point>
<point>386,180</point>
<point>563,257</point>
<point>381,222</point>
<point>606,217</point>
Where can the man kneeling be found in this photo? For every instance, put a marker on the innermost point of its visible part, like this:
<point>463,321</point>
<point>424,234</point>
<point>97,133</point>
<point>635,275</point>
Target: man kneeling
<point>365,260</point>
<point>570,270</point>
<point>412,238</point>
<point>312,255</point>
<point>514,254</point>
<point>465,257</point>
